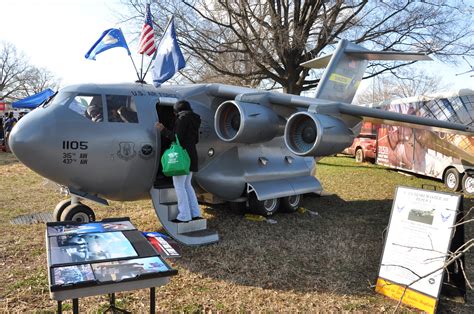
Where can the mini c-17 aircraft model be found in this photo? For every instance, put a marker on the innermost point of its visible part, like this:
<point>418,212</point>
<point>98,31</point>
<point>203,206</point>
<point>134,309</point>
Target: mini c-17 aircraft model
<point>100,141</point>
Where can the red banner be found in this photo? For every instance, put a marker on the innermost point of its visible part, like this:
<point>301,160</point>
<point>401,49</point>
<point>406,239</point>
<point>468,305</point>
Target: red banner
<point>2,106</point>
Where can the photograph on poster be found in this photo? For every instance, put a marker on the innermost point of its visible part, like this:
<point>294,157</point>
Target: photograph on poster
<point>423,216</point>
<point>120,270</point>
<point>72,274</point>
<point>90,228</point>
<point>77,248</point>
<point>118,226</point>
<point>73,228</point>
<point>164,245</point>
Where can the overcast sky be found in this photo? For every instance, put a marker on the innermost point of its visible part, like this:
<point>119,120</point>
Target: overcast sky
<point>56,34</point>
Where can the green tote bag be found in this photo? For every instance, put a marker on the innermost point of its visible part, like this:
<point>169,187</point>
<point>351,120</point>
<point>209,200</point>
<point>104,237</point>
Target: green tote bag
<point>175,160</point>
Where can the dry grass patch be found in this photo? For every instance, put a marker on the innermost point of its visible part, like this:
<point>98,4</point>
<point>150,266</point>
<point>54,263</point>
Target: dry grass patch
<point>305,262</point>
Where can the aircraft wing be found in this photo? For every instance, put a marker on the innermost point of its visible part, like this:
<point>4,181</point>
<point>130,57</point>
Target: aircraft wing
<point>311,127</point>
<point>295,103</point>
<point>393,118</point>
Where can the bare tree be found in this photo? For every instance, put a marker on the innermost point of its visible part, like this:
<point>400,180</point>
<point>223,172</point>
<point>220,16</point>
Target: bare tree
<point>39,79</point>
<point>18,78</point>
<point>275,37</point>
<point>13,67</point>
<point>403,83</point>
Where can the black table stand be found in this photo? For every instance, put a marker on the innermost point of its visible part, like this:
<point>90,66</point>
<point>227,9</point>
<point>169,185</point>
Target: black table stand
<point>112,308</point>
<point>75,306</point>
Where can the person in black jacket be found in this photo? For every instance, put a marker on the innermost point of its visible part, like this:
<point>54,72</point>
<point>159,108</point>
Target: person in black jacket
<point>8,126</point>
<point>187,129</point>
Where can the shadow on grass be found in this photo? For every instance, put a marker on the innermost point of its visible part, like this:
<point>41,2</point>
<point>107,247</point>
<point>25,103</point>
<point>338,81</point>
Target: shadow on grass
<point>336,247</point>
<point>362,165</point>
<point>7,159</point>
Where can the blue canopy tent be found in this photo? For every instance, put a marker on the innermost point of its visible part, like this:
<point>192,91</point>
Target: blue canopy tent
<point>33,101</point>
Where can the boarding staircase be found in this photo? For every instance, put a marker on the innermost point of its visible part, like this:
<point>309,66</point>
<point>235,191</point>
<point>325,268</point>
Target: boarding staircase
<point>194,232</point>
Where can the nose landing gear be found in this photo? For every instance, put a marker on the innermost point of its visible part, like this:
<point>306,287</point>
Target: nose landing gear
<point>69,210</point>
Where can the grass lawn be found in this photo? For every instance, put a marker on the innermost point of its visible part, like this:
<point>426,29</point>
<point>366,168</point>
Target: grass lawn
<point>325,258</point>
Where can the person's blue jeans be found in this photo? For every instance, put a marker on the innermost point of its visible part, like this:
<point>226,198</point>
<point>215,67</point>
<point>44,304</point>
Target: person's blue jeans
<point>188,206</point>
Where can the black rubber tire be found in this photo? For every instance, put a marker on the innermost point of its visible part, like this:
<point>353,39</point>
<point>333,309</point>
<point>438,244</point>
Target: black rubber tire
<point>453,180</point>
<point>468,184</point>
<point>265,208</point>
<point>290,204</point>
<point>78,213</point>
<point>238,207</point>
<point>359,155</point>
<point>58,210</point>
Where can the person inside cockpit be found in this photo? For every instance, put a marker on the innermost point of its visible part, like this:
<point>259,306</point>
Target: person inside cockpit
<point>94,109</point>
<point>95,113</point>
<point>127,115</point>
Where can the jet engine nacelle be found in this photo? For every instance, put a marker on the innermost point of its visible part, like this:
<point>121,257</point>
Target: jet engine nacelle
<point>241,122</point>
<point>312,134</point>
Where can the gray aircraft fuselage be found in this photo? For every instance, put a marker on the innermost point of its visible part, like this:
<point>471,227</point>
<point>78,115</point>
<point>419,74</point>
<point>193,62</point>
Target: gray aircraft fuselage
<point>119,161</point>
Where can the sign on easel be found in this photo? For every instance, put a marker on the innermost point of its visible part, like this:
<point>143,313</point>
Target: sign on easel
<point>417,246</point>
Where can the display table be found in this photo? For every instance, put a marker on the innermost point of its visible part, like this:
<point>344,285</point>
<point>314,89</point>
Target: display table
<point>102,257</point>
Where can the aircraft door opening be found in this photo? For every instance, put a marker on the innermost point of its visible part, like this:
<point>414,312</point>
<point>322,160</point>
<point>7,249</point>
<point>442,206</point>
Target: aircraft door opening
<point>167,118</point>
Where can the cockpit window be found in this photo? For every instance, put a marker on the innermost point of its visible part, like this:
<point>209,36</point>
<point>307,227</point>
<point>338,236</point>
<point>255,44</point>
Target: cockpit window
<point>121,109</point>
<point>59,98</point>
<point>89,106</point>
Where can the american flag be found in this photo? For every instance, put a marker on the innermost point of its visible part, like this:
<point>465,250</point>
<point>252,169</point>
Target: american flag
<point>147,37</point>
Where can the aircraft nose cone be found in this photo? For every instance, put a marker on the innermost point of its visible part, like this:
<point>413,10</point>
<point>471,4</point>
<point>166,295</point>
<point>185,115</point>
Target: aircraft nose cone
<point>24,140</point>
<point>18,140</point>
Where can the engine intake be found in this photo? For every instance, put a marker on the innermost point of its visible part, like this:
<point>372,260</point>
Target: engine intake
<point>311,134</point>
<point>242,122</point>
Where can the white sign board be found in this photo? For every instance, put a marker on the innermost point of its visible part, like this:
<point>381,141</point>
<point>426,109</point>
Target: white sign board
<point>418,240</point>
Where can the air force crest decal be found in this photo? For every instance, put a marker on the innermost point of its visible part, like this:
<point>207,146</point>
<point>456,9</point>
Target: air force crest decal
<point>126,151</point>
<point>146,151</point>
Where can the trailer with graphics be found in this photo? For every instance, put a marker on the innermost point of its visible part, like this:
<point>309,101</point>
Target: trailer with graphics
<point>449,157</point>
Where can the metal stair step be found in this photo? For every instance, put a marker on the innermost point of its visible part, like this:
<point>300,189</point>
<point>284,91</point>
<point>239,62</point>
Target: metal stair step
<point>172,211</point>
<point>169,203</point>
<point>193,225</point>
<point>200,233</point>
<point>194,232</point>
<point>167,195</point>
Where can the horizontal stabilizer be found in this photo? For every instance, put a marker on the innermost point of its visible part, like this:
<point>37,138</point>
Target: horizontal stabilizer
<point>322,62</point>
<point>388,55</point>
<point>318,63</point>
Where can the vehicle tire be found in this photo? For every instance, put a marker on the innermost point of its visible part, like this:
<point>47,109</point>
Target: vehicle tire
<point>264,208</point>
<point>238,207</point>
<point>452,179</point>
<point>78,213</point>
<point>58,210</point>
<point>359,155</point>
<point>290,204</point>
<point>468,184</point>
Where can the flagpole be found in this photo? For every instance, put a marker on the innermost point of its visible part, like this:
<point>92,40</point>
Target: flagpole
<point>136,71</point>
<point>156,51</point>
<point>141,69</point>
<point>142,77</point>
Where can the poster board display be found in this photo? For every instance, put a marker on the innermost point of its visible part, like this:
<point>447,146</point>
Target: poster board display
<point>164,245</point>
<point>108,255</point>
<point>418,240</point>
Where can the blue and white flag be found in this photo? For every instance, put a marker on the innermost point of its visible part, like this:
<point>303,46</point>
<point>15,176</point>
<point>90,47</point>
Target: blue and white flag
<point>168,59</point>
<point>110,38</point>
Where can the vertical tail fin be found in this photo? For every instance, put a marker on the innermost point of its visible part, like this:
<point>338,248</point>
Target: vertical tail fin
<point>346,67</point>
